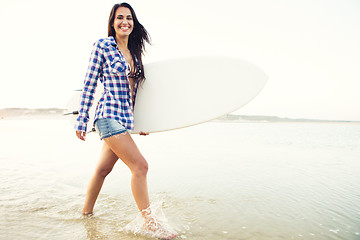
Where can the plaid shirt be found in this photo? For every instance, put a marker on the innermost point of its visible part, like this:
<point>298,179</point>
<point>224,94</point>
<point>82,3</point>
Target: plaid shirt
<point>108,65</point>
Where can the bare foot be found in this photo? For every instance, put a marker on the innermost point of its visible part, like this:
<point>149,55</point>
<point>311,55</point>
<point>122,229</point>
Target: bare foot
<point>154,228</point>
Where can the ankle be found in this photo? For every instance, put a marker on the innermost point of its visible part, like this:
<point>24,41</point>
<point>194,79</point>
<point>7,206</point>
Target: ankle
<point>87,213</point>
<point>146,212</point>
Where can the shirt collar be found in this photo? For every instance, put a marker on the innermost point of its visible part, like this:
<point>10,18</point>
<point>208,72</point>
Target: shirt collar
<point>112,41</point>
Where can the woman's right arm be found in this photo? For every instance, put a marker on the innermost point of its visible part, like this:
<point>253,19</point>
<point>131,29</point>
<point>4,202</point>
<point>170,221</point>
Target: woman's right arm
<point>93,73</point>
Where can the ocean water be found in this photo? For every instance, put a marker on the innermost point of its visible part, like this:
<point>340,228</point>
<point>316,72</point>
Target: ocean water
<point>211,181</point>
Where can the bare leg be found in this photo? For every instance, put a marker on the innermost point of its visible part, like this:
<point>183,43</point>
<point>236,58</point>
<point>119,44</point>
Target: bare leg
<point>107,161</point>
<point>122,146</point>
<point>125,148</point>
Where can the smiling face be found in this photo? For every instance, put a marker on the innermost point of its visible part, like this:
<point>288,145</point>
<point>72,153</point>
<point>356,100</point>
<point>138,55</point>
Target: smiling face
<point>123,22</point>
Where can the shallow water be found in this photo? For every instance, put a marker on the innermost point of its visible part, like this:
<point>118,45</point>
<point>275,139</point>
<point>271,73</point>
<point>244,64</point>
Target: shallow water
<point>212,181</point>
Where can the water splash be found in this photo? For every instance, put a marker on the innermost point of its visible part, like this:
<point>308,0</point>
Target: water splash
<point>154,224</point>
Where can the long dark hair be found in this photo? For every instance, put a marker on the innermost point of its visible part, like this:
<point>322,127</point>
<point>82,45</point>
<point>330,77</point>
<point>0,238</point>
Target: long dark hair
<point>137,39</point>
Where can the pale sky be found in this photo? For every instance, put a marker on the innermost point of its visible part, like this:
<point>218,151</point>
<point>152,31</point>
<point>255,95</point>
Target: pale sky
<point>309,48</point>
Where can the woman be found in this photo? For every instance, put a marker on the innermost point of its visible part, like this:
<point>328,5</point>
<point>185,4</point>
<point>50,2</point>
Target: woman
<point>116,62</point>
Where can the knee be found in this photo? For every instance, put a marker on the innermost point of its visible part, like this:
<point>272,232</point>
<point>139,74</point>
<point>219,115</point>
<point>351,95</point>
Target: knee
<point>103,172</point>
<point>142,167</point>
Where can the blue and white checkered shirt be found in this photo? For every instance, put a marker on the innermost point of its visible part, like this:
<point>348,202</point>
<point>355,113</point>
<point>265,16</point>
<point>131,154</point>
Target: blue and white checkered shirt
<point>108,65</point>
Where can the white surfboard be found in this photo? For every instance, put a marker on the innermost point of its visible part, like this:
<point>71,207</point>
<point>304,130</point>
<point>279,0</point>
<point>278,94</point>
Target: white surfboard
<point>183,92</point>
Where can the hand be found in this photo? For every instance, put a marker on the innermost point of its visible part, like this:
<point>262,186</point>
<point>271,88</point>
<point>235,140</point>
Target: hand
<point>143,133</point>
<point>81,135</point>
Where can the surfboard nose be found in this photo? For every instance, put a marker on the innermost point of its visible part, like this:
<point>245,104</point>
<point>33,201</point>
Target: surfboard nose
<point>188,91</point>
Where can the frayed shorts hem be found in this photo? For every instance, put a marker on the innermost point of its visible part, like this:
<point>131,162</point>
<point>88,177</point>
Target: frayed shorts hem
<point>107,127</point>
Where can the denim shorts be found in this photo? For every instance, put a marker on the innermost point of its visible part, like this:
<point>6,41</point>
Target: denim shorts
<point>107,127</point>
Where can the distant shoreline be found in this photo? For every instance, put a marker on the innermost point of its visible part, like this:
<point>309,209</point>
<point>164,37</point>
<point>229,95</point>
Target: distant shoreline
<point>58,113</point>
<point>30,113</point>
<point>274,119</point>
